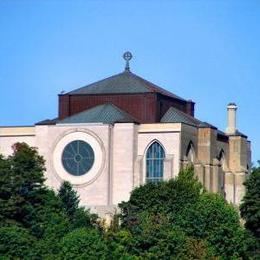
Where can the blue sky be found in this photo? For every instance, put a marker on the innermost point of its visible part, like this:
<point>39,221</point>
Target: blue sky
<point>207,51</point>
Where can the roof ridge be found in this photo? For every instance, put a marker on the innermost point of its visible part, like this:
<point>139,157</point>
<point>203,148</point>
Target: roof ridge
<point>163,90</point>
<point>98,81</point>
<point>140,85</point>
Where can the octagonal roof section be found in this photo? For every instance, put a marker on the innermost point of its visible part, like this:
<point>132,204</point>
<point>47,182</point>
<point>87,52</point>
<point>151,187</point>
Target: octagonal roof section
<point>122,83</point>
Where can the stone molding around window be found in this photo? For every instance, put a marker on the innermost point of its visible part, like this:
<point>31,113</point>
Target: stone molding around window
<point>97,167</point>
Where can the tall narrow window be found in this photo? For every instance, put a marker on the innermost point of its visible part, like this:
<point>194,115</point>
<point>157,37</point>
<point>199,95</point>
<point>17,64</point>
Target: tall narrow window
<point>154,163</point>
<point>190,153</point>
<point>222,161</point>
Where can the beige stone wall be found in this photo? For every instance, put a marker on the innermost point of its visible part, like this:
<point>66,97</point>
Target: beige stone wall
<point>239,153</point>
<point>12,135</point>
<point>202,140</point>
<point>239,165</point>
<point>120,162</point>
<point>225,176</point>
<point>94,192</point>
<point>124,156</point>
<point>120,156</point>
<point>235,150</point>
<point>207,139</point>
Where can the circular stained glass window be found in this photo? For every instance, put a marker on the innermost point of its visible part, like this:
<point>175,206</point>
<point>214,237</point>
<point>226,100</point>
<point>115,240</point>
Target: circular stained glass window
<point>78,157</point>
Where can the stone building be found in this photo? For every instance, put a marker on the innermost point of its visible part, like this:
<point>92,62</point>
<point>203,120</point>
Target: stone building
<point>123,131</point>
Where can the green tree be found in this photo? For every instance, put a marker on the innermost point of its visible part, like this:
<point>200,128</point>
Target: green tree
<point>83,244</point>
<point>16,243</point>
<point>49,224</point>
<point>174,219</point>
<point>119,243</point>
<point>212,219</point>
<point>154,237</point>
<point>250,207</point>
<point>169,197</point>
<point>206,219</point>
<point>79,216</point>
<point>7,206</point>
<point>31,210</point>
<point>83,218</point>
<point>21,183</point>
<point>69,198</point>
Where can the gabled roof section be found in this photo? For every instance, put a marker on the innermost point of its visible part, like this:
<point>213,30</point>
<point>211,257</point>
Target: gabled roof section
<point>174,115</point>
<point>122,83</point>
<point>106,113</point>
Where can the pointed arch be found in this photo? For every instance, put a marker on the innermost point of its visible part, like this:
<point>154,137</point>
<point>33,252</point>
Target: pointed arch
<point>155,156</point>
<point>222,158</point>
<point>151,142</point>
<point>190,152</point>
<point>220,154</point>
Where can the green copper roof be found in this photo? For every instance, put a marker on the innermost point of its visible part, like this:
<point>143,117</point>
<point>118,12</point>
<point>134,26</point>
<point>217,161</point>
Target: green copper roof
<point>123,83</point>
<point>174,115</point>
<point>107,114</point>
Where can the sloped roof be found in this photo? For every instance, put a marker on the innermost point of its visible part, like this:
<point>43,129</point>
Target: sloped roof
<point>122,83</point>
<point>47,122</point>
<point>238,133</point>
<point>106,113</point>
<point>174,115</point>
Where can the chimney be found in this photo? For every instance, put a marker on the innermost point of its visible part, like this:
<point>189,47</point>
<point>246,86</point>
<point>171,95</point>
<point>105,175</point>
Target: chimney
<point>231,113</point>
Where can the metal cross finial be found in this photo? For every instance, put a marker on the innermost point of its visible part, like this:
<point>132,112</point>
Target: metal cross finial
<point>127,57</point>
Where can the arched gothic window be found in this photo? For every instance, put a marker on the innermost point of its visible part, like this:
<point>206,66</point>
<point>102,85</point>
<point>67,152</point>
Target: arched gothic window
<point>190,153</point>
<point>221,158</point>
<point>154,163</point>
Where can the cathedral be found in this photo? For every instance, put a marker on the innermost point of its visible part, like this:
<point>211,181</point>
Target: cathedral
<point>124,131</point>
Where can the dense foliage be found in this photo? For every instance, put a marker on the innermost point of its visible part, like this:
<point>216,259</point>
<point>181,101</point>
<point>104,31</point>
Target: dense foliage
<point>34,220</point>
<point>250,207</point>
<point>176,219</point>
<point>204,218</point>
